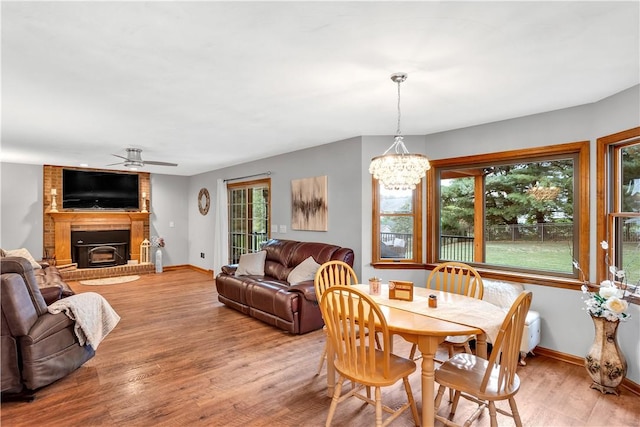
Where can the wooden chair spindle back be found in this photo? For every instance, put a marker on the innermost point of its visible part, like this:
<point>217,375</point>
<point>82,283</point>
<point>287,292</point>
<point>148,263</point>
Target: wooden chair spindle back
<point>352,318</point>
<point>457,278</point>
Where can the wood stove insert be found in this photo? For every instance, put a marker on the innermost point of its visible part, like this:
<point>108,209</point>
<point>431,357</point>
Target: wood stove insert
<point>97,249</point>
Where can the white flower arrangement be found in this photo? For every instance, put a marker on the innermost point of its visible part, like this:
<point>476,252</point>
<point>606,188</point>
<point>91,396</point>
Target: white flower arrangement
<point>608,302</point>
<point>157,242</point>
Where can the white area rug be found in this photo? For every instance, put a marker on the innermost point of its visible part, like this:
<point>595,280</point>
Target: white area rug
<point>109,280</point>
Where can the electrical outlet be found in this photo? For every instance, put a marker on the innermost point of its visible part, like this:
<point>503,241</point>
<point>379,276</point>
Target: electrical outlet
<point>201,254</point>
<point>283,229</point>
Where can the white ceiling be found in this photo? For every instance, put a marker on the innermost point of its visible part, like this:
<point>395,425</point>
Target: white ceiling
<point>212,84</point>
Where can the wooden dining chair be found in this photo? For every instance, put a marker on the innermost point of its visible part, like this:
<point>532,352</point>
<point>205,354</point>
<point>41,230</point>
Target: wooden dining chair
<point>456,278</point>
<point>352,319</point>
<point>487,381</point>
<point>332,273</point>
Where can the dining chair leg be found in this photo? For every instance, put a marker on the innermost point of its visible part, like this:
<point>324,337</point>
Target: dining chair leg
<point>454,404</point>
<point>412,353</point>
<point>323,357</point>
<point>334,401</point>
<point>493,414</point>
<point>378,407</point>
<point>412,401</point>
<point>450,350</point>
<point>514,412</point>
<point>438,399</point>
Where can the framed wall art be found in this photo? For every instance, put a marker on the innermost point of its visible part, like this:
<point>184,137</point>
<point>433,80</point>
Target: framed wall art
<point>309,209</point>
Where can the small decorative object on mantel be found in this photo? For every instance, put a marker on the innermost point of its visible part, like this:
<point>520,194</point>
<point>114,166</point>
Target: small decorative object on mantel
<point>158,242</point>
<point>605,362</point>
<point>401,290</point>
<point>144,202</point>
<point>54,205</point>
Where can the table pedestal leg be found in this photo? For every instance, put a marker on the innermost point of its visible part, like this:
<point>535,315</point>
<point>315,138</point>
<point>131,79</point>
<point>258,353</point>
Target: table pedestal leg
<point>481,345</point>
<point>428,347</point>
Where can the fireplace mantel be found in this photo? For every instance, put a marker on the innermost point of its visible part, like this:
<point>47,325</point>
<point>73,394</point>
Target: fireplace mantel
<point>64,222</point>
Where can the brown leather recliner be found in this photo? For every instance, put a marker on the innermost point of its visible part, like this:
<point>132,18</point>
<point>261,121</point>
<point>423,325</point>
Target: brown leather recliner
<point>38,347</point>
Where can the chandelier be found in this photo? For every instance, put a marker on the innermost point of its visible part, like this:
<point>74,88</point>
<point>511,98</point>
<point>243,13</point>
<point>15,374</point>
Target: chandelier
<point>542,193</point>
<point>396,168</point>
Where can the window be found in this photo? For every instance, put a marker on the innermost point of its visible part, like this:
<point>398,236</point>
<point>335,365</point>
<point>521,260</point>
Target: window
<point>619,205</point>
<point>249,217</point>
<point>513,213</point>
<point>397,226</point>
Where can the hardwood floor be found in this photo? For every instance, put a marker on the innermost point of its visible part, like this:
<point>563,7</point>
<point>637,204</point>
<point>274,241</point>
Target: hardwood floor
<point>179,357</point>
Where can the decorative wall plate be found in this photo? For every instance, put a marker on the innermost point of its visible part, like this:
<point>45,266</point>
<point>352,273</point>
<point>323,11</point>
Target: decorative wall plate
<point>204,201</point>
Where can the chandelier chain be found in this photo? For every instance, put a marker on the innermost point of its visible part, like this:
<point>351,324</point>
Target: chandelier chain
<point>399,112</point>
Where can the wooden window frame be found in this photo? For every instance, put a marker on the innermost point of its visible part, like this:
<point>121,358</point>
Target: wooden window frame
<point>393,263</point>
<point>581,215</point>
<point>608,206</point>
<point>266,182</point>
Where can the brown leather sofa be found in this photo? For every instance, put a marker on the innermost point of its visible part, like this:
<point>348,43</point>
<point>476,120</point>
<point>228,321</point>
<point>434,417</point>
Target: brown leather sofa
<point>270,298</point>
<point>37,347</point>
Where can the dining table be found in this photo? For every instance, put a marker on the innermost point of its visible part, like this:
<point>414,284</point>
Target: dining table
<point>417,323</point>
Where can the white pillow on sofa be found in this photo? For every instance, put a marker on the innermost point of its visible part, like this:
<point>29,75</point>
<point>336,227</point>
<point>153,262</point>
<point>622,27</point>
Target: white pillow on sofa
<point>251,264</point>
<point>306,270</point>
<point>24,253</point>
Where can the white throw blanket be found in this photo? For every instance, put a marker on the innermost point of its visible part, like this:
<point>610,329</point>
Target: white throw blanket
<point>93,315</point>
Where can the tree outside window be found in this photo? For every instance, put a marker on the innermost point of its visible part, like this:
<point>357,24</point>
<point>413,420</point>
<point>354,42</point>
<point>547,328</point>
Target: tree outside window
<point>509,213</point>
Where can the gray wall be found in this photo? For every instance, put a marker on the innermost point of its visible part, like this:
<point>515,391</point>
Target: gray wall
<point>339,161</point>
<point>21,220</point>
<point>169,216</point>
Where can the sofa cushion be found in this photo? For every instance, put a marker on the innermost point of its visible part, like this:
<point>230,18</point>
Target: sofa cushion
<point>321,253</point>
<point>251,264</point>
<point>306,270</point>
<point>279,252</point>
<point>24,253</point>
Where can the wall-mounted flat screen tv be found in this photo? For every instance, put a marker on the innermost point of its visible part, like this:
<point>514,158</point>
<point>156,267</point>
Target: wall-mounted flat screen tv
<point>82,189</point>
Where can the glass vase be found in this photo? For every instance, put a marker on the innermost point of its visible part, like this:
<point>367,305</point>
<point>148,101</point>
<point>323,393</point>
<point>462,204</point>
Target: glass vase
<point>605,362</point>
<point>159,260</point>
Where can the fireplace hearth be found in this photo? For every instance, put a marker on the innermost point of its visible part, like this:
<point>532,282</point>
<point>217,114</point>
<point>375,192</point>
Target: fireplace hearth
<point>98,249</point>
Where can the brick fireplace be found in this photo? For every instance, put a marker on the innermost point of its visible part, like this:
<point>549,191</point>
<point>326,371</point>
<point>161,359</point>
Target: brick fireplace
<point>66,222</point>
<point>59,225</point>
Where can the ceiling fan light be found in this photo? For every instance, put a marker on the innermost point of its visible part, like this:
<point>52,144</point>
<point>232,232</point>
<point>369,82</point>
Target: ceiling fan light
<point>133,164</point>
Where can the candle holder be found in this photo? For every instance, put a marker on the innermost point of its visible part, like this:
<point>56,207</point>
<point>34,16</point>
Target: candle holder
<point>54,205</point>
<point>144,203</point>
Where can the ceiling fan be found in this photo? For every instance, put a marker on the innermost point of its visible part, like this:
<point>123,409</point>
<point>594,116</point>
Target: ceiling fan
<point>134,160</point>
